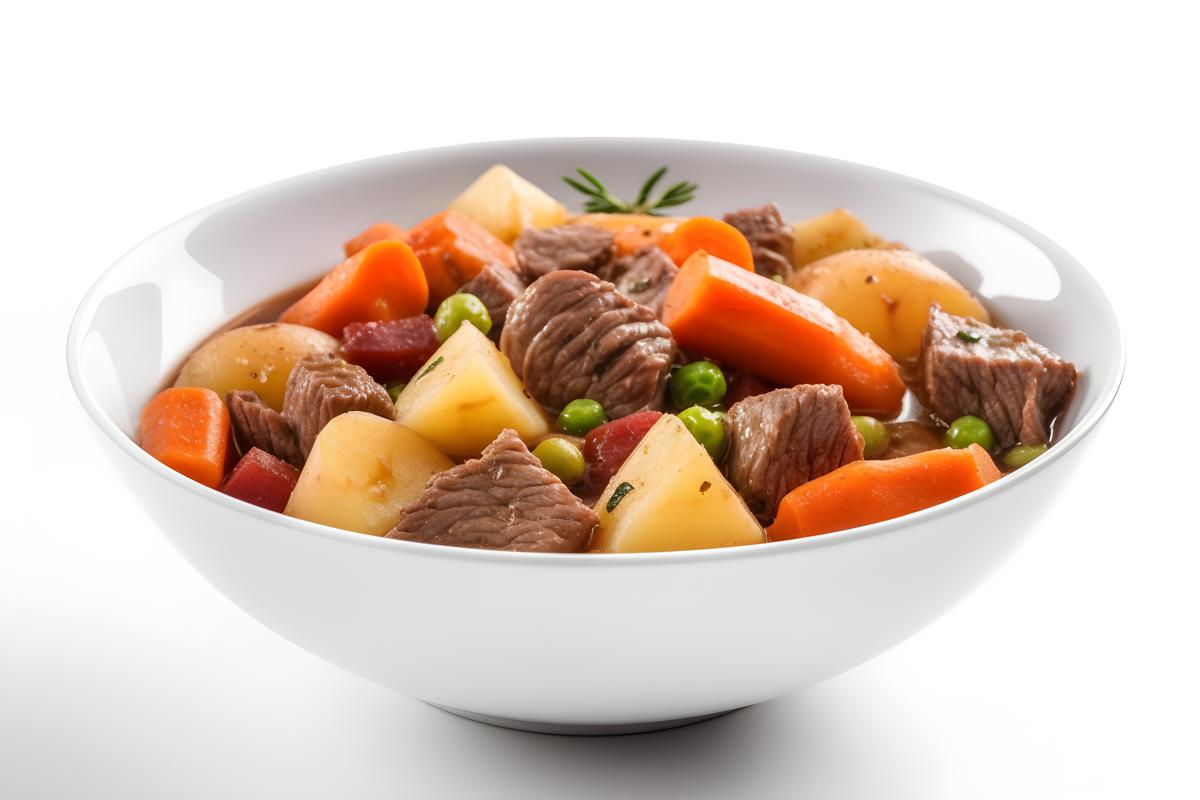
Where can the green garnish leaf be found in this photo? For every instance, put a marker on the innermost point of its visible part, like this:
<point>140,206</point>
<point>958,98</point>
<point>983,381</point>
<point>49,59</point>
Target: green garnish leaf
<point>432,365</point>
<point>618,495</point>
<point>602,201</point>
<point>969,336</point>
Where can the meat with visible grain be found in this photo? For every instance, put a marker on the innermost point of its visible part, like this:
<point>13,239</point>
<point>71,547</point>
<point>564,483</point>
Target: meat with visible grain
<point>323,387</point>
<point>256,424</point>
<point>497,286</point>
<point>572,335</point>
<point>1003,376</point>
<point>544,250</point>
<point>503,500</point>
<point>644,277</point>
<point>785,438</point>
<point>770,238</point>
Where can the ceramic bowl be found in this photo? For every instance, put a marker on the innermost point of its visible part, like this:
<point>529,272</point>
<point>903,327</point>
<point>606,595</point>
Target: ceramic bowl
<point>579,643</point>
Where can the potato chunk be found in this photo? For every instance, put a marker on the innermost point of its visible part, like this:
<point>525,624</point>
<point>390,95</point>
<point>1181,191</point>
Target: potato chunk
<point>466,394</point>
<point>257,358</point>
<point>362,470</point>
<point>886,294</point>
<point>669,495</point>
<point>506,204</point>
<point>831,233</point>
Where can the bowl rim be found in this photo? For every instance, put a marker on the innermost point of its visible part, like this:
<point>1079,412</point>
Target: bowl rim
<point>1059,257</point>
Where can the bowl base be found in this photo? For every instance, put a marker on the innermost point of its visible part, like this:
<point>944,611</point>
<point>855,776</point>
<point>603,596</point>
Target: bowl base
<point>618,729</point>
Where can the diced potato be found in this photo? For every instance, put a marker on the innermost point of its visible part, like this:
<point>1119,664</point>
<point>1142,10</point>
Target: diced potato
<point>257,357</point>
<point>362,470</point>
<point>832,233</point>
<point>676,499</point>
<point>465,394</point>
<point>886,294</point>
<point>506,204</point>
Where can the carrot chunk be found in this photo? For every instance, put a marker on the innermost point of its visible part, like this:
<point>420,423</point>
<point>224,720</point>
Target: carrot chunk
<point>631,232</point>
<point>750,322</point>
<point>453,248</point>
<point>384,281</point>
<point>873,491</point>
<point>187,428</point>
<point>713,236</point>
<point>379,232</point>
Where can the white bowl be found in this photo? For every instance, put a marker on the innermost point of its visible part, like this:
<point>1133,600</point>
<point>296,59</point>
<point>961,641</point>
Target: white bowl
<point>578,643</point>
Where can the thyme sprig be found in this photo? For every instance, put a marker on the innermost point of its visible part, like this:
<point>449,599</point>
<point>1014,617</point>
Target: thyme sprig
<point>602,201</point>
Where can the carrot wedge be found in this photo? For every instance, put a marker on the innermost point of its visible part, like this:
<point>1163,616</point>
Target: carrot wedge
<point>864,492</point>
<point>453,248</point>
<point>713,236</point>
<point>187,428</point>
<point>382,282</point>
<point>379,232</point>
<point>750,322</point>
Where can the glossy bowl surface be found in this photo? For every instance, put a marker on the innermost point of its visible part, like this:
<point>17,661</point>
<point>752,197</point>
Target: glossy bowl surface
<point>567,642</point>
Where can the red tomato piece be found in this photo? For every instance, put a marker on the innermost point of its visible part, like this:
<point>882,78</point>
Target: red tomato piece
<point>606,446</point>
<point>262,479</point>
<point>391,351</point>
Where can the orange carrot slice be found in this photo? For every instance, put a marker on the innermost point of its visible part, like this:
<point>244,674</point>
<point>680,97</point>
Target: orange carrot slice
<point>382,282</point>
<point>747,321</point>
<point>187,428</point>
<point>715,237</point>
<point>379,232</point>
<point>631,232</point>
<point>873,491</point>
<point>453,248</point>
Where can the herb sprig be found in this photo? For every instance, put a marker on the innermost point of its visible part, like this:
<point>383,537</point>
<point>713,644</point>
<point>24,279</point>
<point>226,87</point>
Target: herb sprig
<point>602,201</point>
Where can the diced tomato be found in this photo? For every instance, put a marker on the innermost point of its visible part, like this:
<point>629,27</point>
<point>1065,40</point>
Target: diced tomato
<point>606,447</point>
<point>390,351</point>
<point>262,479</point>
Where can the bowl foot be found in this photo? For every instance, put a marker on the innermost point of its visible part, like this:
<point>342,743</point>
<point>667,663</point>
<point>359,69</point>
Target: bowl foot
<point>557,729</point>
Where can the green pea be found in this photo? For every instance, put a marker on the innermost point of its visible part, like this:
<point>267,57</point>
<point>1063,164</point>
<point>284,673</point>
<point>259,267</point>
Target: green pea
<point>580,416</point>
<point>394,389</point>
<point>1022,454</point>
<point>876,438</point>
<point>969,430</point>
<point>562,458</point>
<point>700,383</point>
<point>708,428</point>
<point>457,309</point>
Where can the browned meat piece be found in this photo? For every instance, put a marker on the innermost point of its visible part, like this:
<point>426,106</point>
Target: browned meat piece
<point>1003,376</point>
<point>503,500</point>
<point>572,335</point>
<point>644,277</point>
<point>256,424</point>
<point>543,250</point>
<point>497,286</point>
<point>325,386</point>
<point>782,439</point>
<point>769,236</point>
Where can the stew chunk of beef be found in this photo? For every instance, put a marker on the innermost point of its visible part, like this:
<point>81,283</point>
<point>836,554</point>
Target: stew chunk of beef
<point>572,335</point>
<point>544,250</point>
<point>497,286</point>
<point>1003,376</point>
<point>770,238</point>
<point>325,386</point>
<point>256,424</point>
<point>644,277</point>
<point>503,500</point>
<point>782,439</point>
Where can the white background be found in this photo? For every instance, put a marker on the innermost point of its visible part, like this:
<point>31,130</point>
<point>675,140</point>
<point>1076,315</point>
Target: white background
<point>1072,673</point>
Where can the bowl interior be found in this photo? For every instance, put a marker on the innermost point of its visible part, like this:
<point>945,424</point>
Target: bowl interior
<point>165,296</point>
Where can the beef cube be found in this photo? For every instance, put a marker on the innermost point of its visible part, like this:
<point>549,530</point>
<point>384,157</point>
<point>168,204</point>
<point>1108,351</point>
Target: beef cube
<point>769,236</point>
<point>782,439</point>
<point>970,367</point>
<point>257,425</point>
<point>644,277</point>
<point>544,250</point>
<point>497,286</point>
<point>322,387</point>
<point>503,500</point>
